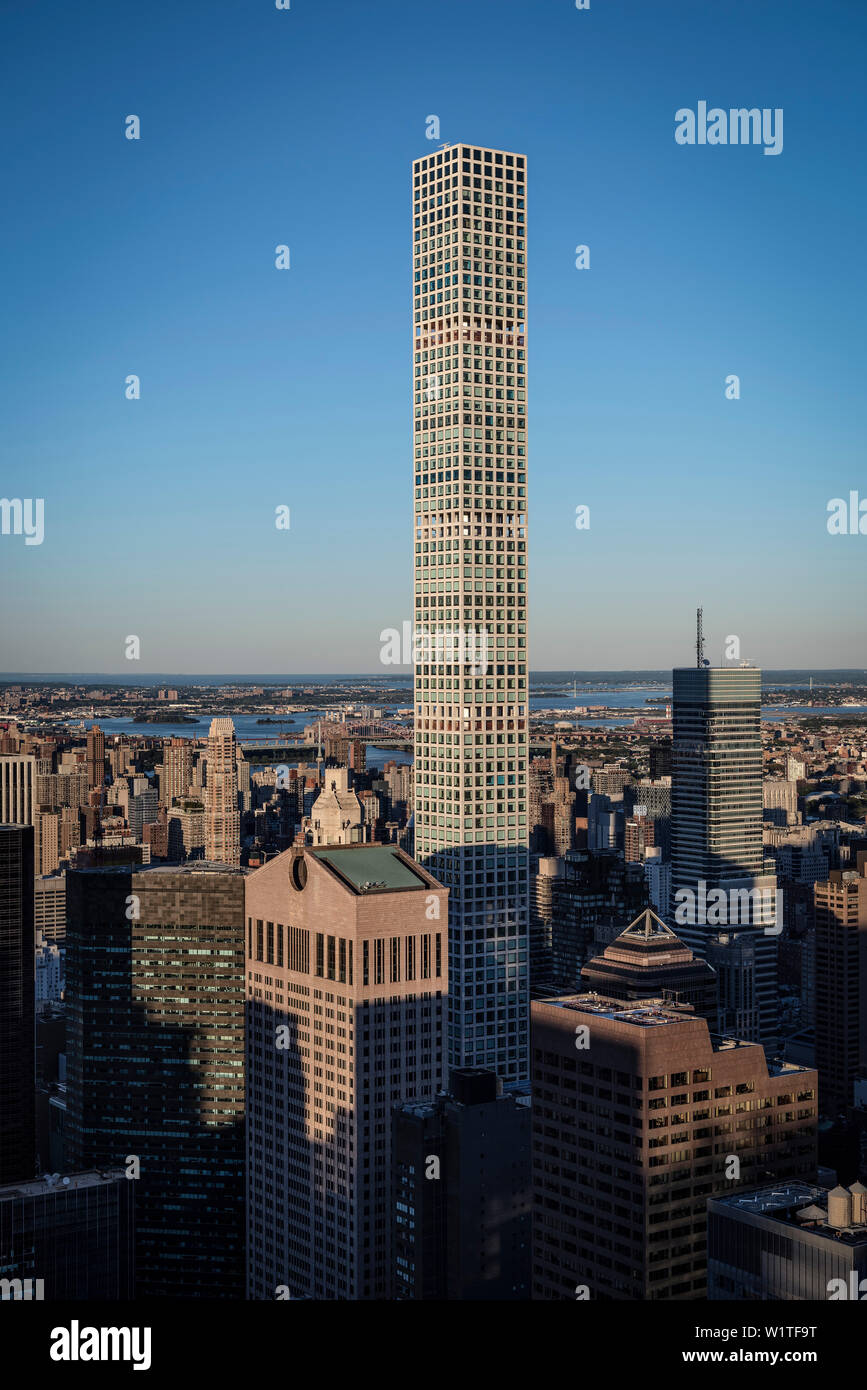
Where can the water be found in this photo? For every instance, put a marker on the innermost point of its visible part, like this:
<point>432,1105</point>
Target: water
<point>291,725</point>
<point>807,711</point>
<point>247,730</point>
<point>615,699</point>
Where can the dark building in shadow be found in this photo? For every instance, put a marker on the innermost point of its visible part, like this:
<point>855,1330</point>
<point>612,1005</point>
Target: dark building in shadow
<point>17,1006</point>
<point>155,1074</point>
<point>71,1237</point>
<point>462,1199</point>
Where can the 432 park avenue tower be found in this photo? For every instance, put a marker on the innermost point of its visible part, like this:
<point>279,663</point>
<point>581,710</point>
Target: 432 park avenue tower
<point>470,539</point>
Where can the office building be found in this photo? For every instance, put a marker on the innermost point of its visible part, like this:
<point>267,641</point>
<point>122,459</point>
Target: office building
<point>470,539</point>
<point>177,771</point>
<point>155,1062</point>
<point>461,1194</point>
<point>49,906</point>
<point>336,817</point>
<point>49,979</point>
<point>17,1006</point>
<point>788,1242</point>
<point>95,756</point>
<point>780,801</point>
<point>346,983</point>
<point>647,961</point>
<point>657,873</point>
<point>70,1238</point>
<point>544,877</point>
<point>46,841</point>
<point>222,817</point>
<point>186,831</point>
<point>18,774</point>
<point>143,809</point>
<point>640,1115</point>
<point>719,877</point>
<point>841,985</point>
<point>659,758</point>
<point>593,897</point>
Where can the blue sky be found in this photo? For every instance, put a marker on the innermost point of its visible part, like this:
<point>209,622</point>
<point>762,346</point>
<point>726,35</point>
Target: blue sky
<point>263,387</point>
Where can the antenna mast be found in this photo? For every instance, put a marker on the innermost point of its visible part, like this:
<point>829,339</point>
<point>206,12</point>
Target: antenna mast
<point>699,638</point>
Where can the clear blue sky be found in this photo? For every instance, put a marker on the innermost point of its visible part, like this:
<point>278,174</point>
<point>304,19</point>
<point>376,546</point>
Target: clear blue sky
<point>262,387</point>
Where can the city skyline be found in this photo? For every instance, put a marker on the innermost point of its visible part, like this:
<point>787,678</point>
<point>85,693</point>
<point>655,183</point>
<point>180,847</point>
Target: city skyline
<point>466,963</point>
<point>267,380</point>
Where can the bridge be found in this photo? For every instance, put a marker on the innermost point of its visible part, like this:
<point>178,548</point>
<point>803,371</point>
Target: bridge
<point>278,750</point>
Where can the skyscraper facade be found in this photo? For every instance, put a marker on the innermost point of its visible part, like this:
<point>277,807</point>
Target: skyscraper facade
<point>73,1238</point>
<point>18,774</point>
<point>719,878</point>
<point>177,771</point>
<point>461,1193</point>
<point>17,1006</point>
<point>155,1052</point>
<point>222,817</point>
<point>841,985</point>
<point>95,756</point>
<point>346,982</point>
<point>640,1115</point>
<point>470,539</point>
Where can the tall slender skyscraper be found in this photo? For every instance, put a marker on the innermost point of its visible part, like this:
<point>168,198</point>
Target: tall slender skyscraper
<point>95,756</point>
<point>719,882</point>
<point>222,817</point>
<point>470,537</point>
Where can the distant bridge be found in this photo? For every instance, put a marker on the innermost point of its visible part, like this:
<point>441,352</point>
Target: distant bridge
<point>277,750</point>
<point>369,729</point>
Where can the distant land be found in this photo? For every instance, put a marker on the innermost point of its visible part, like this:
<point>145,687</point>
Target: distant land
<point>399,677</point>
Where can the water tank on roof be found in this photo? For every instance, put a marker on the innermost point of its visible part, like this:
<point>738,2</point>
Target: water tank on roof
<point>859,1203</point>
<point>839,1208</point>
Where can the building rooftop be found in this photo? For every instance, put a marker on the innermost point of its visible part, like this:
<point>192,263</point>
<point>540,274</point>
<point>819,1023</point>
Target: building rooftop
<point>56,1182</point>
<point>798,1205</point>
<point>373,868</point>
<point>646,1013</point>
<point>194,866</point>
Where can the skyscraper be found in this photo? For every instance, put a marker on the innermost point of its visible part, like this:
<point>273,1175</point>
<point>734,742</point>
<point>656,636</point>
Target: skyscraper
<point>155,1053</point>
<point>841,985</point>
<point>470,538</point>
<point>640,1115</point>
<point>17,1006</point>
<point>346,981</point>
<point>647,961</point>
<point>73,1238</point>
<point>718,874</point>
<point>222,817</point>
<point>461,1195</point>
<point>177,771</point>
<point>18,774</point>
<point>95,756</point>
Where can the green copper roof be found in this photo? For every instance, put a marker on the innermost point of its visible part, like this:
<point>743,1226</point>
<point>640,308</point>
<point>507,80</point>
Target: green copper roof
<point>375,865</point>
